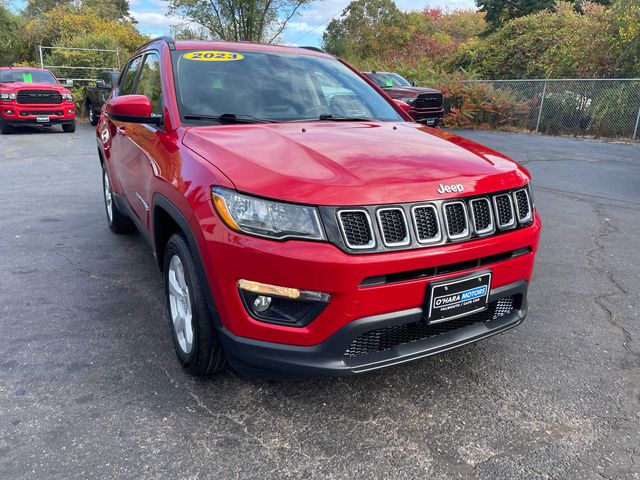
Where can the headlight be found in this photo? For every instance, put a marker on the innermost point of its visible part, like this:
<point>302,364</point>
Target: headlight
<point>408,101</point>
<point>7,96</point>
<point>266,218</point>
<point>68,97</point>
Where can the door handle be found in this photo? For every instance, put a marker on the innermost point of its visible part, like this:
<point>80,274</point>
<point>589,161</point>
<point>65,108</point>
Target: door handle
<point>121,130</point>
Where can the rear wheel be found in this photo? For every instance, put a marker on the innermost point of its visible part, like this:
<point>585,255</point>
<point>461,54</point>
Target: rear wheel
<point>117,221</point>
<point>194,335</point>
<point>69,127</point>
<point>93,118</point>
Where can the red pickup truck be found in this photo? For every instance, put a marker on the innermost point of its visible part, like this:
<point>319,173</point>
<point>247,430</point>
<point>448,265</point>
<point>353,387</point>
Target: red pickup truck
<point>304,224</point>
<point>425,104</point>
<point>33,96</point>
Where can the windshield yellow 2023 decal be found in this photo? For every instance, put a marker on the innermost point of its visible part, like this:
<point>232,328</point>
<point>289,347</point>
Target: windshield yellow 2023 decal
<point>213,56</point>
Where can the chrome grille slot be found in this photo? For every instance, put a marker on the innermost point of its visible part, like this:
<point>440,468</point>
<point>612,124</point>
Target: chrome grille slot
<point>481,216</point>
<point>504,211</point>
<point>393,225</point>
<point>356,228</point>
<point>523,205</point>
<point>455,215</point>
<point>425,221</point>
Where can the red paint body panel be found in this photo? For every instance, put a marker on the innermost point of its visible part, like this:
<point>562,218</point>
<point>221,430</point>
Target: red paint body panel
<point>326,164</point>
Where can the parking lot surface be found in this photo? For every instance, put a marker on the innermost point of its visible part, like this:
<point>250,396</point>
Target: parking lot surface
<point>90,386</point>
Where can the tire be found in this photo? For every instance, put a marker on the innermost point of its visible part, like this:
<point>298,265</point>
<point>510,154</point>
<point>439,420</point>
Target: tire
<point>5,129</point>
<point>93,118</point>
<point>118,222</point>
<point>69,127</point>
<point>194,335</point>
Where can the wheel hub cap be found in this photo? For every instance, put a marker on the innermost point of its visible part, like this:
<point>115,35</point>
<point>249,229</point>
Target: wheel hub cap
<point>180,305</point>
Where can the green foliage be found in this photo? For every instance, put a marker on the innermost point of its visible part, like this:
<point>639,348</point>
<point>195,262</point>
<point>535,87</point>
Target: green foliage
<point>13,50</point>
<point>367,28</point>
<point>498,12</point>
<point>239,20</point>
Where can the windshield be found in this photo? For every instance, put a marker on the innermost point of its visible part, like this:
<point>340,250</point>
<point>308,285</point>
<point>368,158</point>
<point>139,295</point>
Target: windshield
<point>388,80</point>
<point>27,76</point>
<point>276,87</point>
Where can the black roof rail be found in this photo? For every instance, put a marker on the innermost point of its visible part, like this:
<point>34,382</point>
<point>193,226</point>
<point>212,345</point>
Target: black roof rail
<point>168,40</point>
<point>314,49</point>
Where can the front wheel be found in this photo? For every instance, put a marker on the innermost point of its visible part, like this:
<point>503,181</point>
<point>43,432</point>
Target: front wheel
<point>194,335</point>
<point>93,118</point>
<point>69,127</point>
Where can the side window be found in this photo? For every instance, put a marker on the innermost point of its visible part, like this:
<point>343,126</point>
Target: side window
<point>128,79</point>
<point>149,84</point>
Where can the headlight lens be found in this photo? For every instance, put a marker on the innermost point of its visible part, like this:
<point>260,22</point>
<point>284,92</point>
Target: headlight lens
<point>408,101</point>
<point>266,218</point>
<point>68,97</point>
<point>7,96</point>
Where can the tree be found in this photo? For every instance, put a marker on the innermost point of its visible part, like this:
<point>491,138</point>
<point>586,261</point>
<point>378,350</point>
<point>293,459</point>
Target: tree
<point>500,11</point>
<point>13,49</point>
<point>549,44</point>
<point>240,20</point>
<point>367,28</point>
<point>112,9</point>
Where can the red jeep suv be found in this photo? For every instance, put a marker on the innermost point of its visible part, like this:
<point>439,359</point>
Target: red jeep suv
<point>33,96</point>
<point>304,224</point>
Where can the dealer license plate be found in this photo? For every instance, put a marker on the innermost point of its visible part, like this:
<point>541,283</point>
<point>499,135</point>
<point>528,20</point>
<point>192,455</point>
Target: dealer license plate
<point>42,119</point>
<point>457,298</point>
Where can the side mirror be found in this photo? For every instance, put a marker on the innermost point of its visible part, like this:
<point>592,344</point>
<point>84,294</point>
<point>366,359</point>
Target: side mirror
<point>403,106</point>
<point>100,84</point>
<point>132,109</point>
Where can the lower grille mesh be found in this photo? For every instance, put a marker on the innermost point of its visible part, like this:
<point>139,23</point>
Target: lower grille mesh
<point>389,337</point>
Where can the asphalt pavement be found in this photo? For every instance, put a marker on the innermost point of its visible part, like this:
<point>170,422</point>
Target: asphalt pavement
<point>90,386</point>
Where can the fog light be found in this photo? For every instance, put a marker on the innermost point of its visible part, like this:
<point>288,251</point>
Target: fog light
<point>261,303</point>
<point>281,305</point>
<point>70,111</point>
<point>8,112</point>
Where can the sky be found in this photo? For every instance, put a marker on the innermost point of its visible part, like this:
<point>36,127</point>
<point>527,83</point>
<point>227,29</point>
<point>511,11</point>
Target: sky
<point>304,29</point>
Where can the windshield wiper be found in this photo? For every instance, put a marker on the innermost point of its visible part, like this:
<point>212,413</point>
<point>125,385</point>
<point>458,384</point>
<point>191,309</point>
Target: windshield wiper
<point>227,118</point>
<point>343,118</point>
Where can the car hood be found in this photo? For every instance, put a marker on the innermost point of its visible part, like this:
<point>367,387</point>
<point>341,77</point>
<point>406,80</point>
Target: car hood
<point>408,92</point>
<point>357,163</point>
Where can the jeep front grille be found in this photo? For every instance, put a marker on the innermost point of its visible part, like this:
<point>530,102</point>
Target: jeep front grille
<point>425,220</point>
<point>393,226</point>
<point>374,228</point>
<point>357,229</point>
<point>523,206</point>
<point>36,97</point>
<point>455,214</point>
<point>504,210</point>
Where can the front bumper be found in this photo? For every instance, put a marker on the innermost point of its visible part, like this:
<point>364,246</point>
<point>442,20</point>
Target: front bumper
<point>428,116</point>
<point>27,115</point>
<point>331,358</point>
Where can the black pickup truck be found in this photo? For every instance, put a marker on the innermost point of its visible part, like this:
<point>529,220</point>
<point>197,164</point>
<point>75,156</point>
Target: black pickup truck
<point>94,97</point>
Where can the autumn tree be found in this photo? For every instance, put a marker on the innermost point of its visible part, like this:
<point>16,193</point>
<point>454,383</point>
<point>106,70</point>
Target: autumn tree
<point>367,28</point>
<point>239,20</point>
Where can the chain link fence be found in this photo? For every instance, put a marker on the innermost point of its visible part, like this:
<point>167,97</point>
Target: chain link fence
<point>607,108</point>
